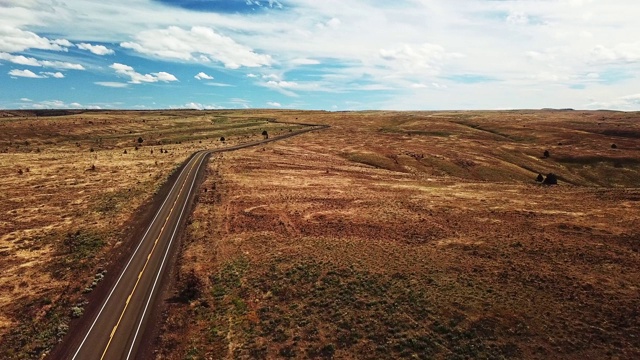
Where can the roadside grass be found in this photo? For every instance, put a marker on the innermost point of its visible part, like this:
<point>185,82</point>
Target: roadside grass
<point>68,171</point>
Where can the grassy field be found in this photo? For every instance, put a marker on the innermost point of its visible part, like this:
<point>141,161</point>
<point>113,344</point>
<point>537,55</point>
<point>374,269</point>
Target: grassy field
<point>72,185</point>
<point>417,235</point>
<point>388,235</point>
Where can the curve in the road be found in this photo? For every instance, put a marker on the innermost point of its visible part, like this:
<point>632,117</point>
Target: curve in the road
<point>116,330</point>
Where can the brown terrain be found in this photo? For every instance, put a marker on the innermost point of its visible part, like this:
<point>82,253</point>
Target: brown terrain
<point>387,235</point>
<point>77,191</point>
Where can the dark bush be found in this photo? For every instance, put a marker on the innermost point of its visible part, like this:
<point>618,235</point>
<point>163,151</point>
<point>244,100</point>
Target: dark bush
<point>546,154</point>
<point>614,146</point>
<point>222,139</point>
<point>140,140</point>
<point>551,179</point>
<point>191,287</point>
<point>540,178</point>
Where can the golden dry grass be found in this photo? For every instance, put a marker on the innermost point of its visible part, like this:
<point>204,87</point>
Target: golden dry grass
<point>67,174</point>
<point>404,235</point>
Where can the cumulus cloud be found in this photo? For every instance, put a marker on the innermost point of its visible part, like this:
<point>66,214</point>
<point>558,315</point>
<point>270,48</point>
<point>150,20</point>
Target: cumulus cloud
<point>96,49</point>
<point>424,58</point>
<point>25,73</point>
<point>13,39</point>
<point>57,75</point>
<point>61,65</point>
<point>199,44</point>
<point>137,78</point>
<point>164,76</point>
<point>274,104</point>
<point>199,106</point>
<point>628,102</point>
<point>203,76</point>
<point>30,74</point>
<point>29,61</point>
<point>625,52</point>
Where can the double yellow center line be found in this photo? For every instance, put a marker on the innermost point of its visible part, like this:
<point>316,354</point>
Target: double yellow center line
<point>155,244</point>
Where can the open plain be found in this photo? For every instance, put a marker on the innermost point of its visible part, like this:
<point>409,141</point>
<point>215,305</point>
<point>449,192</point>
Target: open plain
<point>387,235</point>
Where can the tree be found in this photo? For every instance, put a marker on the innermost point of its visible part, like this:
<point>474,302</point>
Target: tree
<point>540,178</point>
<point>222,139</point>
<point>265,134</point>
<point>140,140</point>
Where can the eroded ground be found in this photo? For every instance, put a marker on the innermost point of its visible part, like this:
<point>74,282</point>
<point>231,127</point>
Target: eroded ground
<point>404,235</point>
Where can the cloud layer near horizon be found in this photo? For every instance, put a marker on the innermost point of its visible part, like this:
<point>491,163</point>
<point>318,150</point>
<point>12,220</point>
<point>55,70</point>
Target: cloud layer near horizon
<point>407,54</point>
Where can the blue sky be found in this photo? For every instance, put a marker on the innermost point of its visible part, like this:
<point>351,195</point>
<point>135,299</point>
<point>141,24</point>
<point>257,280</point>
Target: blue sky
<point>314,54</point>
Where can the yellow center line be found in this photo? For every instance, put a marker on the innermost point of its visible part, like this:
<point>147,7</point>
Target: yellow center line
<point>147,262</point>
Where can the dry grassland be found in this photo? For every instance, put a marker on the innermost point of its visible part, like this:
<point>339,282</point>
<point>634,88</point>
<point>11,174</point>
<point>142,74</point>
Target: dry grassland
<point>417,235</point>
<point>70,199</point>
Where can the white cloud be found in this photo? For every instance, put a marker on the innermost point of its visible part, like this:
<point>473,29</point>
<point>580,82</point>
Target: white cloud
<point>29,61</point>
<point>137,78</point>
<point>165,77</point>
<point>625,103</point>
<point>96,49</point>
<point>305,61</point>
<point>203,76</point>
<point>218,84</point>
<point>26,99</point>
<point>25,73</point>
<point>274,104</point>
<point>425,58</point>
<point>19,59</point>
<point>533,46</point>
<point>624,52</point>
<point>13,39</point>
<point>199,106</point>
<point>517,18</point>
<point>30,74</point>
<point>112,84</point>
<point>61,65</point>
<point>332,23</point>
<point>59,104</point>
<point>57,75</point>
<point>199,44</point>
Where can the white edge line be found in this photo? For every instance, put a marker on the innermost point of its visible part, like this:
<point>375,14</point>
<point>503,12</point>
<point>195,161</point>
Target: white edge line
<point>127,266</point>
<point>166,253</point>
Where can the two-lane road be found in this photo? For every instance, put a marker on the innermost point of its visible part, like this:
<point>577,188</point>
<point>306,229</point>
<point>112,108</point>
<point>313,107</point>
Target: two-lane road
<point>116,329</point>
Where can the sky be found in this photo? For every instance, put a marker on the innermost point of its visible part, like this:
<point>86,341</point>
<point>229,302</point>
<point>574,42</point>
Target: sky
<point>320,54</point>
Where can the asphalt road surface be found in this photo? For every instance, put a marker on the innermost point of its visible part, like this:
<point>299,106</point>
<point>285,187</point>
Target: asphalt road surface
<point>120,323</point>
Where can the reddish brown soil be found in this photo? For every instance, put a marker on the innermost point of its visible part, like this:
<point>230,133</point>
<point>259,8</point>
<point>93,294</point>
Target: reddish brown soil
<point>403,235</point>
